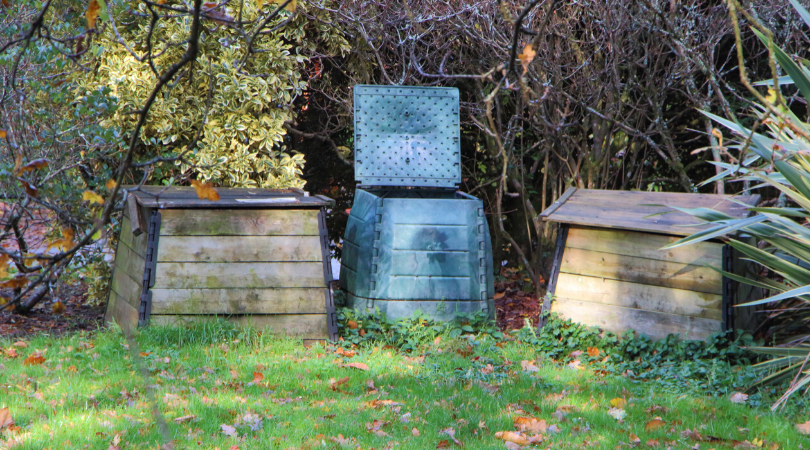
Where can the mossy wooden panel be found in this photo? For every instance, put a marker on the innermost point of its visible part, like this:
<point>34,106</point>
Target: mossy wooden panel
<point>136,243</point>
<point>641,270</point>
<point>239,301</point>
<point>239,275</point>
<point>637,296</point>
<point>239,248</point>
<point>127,260</point>
<point>239,222</point>
<point>121,312</point>
<point>311,326</point>
<point>617,319</point>
<point>644,245</point>
<point>127,288</point>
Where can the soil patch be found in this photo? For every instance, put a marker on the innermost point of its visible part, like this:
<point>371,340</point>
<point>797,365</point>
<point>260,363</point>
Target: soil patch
<point>78,315</point>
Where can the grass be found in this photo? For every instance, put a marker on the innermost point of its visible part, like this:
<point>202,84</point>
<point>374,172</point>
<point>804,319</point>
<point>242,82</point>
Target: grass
<point>89,393</point>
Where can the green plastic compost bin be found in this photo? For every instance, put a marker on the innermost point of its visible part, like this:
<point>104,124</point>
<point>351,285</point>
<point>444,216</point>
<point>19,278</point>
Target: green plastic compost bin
<point>413,241</point>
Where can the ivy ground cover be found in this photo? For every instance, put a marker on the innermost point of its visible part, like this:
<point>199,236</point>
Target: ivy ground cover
<point>220,388</point>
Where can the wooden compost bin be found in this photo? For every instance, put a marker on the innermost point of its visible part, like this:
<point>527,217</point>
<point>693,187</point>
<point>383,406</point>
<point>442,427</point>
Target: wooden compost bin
<point>609,270</point>
<point>256,256</point>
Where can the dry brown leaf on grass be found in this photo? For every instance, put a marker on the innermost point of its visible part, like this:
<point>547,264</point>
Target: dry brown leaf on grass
<point>530,425</point>
<point>738,397</point>
<point>511,436</point>
<point>257,377</point>
<point>634,440</point>
<point>5,418</point>
<point>618,403</point>
<point>414,432</point>
<point>34,359</point>
<point>20,344</point>
<point>654,425</point>
<point>356,365</point>
<point>529,366</point>
<point>803,428</point>
<point>228,430</point>
<point>205,191</point>
<point>184,419</point>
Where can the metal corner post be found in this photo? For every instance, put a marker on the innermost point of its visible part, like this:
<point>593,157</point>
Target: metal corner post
<point>728,288</point>
<point>145,310</point>
<point>331,313</point>
<point>562,235</point>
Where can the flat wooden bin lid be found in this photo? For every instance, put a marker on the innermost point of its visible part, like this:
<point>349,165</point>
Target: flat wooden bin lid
<point>632,210</point>
<point>185,197</point>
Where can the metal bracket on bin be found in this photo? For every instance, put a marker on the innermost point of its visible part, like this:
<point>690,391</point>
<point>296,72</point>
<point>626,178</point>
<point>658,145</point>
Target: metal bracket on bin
<point>145,309</point>
<point>728,288</point>
<point>331,313</point>
<point>562,235</point>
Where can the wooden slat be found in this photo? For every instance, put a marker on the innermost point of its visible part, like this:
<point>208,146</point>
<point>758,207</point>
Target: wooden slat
<point>639,296</point>
<point>641,270</point>
<point>136,243</point>
<point>631,210</point>
<point>122,313</point>
<point>618,320</point>
<point>644,245</point>
<point>186,197</point>
<point>239,248</point>
<point>310,326</point>
<point>239,275</point>
<point>128,261</point>
<point>238,301</point>
<point>559,202</point>
<point>248,222</point>
<point>127,288</point>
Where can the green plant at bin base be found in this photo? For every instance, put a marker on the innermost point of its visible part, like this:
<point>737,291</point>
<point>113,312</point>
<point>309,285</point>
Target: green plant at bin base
<point>778,158</point>
<point>718,367</point>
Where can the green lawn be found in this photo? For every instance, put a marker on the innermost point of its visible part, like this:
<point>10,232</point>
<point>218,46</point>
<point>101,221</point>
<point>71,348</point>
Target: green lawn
<point>217,388</point>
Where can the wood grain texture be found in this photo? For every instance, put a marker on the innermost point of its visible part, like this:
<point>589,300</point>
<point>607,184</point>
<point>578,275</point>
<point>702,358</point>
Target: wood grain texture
<point>644,245</point>
<point>641,270</point>
<point>238,301</point>
<point>239,275</point>
<point>127,288</point>
<point>309,326</point>
<point>129,261</point>
<point>121,313</point>
<point>631,210</point>
<point>618,320</point>
<point>186,197</point>
<point>639,296</point>
<point>136,243</point>
<point>229,222</point>
<point>239,248</point>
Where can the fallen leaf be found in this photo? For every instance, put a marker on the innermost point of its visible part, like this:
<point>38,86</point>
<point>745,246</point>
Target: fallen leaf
<point>738,397</point>
<point>3,132</point>
<point>654,425</point>
<point>205,190</point>
<point>414,432</point>
<point>4,259</point>
<point>20,344</point>
<point>11,353</point>
<point>444,443</point>
<point>30,188</point>
<point>92,14</point>
<point>92,197</point>
<point>803,428</point>
<point>336,384</point>
<point>352,325</point>
<point>5,418</point>
<point>530,425</point>
<point>617,413</point>
<point>618,402</point>
<point>511,446</point>
<point>356,365</point>
<point>511,436</point>
<point>34,359</point>
<point>111,184</point>
<point>229,430</point>
<point>593,352</point>
<point>58,307</point>
<point>488,369</point>
<point>184,419</point>
<point>499,295</point>
<point>634,440</point>
<point>652,443</point>
<point>527,56</point>
<point>529,366</point>
<point>257,377</point>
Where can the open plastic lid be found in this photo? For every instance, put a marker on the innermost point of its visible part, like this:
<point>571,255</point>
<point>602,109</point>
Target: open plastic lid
<point>406,136</point>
